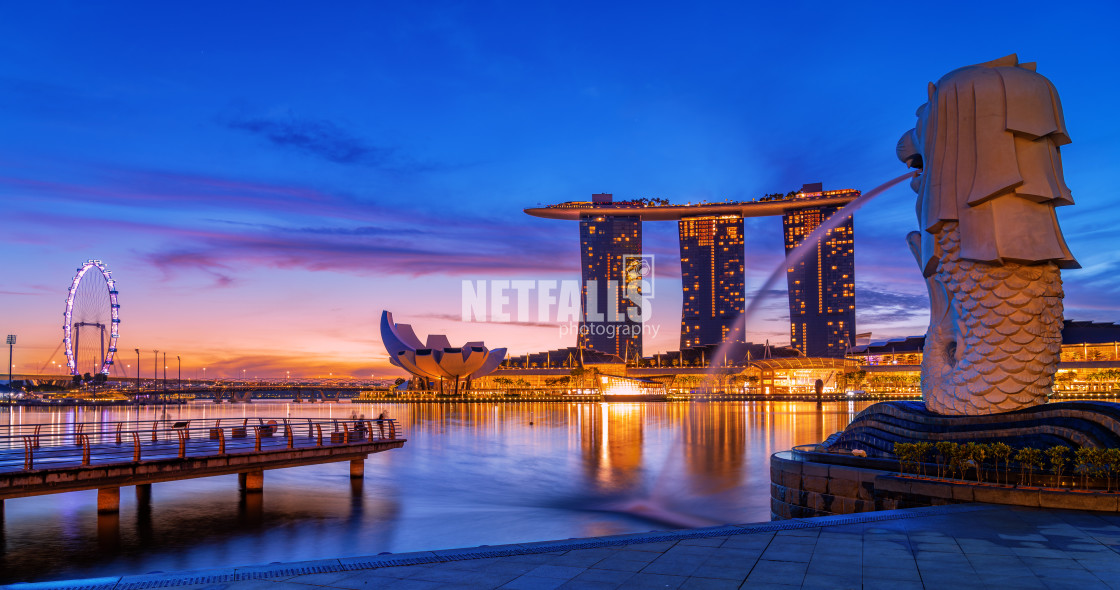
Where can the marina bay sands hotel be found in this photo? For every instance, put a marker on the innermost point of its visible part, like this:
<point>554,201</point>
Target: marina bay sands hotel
<point>821,286</point>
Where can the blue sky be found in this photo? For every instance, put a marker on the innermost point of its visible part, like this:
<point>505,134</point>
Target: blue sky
<point>264,178</point>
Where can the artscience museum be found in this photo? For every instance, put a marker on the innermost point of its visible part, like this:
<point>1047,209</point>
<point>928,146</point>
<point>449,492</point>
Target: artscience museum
<point>436,361</point>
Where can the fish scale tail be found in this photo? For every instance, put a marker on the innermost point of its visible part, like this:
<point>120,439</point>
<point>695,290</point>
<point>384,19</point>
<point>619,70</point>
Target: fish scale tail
<point>1002,351</point>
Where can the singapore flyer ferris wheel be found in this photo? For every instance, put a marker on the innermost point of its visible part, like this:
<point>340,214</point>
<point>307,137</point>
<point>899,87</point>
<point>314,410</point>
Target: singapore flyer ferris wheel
<point>92,320</point>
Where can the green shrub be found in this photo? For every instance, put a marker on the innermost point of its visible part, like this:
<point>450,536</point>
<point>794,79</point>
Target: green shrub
<point>944,456</point>
<point>1083,464</point>
<point>1057,455</point>
<point>1029,459</point>
<point>1001,452</point>
<point>921,451</point>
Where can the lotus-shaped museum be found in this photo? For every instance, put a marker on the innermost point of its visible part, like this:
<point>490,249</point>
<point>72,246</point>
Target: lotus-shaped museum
<point>436,359</point>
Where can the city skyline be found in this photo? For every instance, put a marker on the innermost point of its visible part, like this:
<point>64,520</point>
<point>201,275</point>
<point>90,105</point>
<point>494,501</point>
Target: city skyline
<point>264,180</point>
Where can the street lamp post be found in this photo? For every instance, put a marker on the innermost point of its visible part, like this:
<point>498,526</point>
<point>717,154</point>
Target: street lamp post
<point>179,385</point>
<point>165,374</point>
<point>155,370</point>
<point>11,346</point>
<point>137,374</point>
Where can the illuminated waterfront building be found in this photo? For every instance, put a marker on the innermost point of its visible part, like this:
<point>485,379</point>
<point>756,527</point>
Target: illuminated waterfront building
<point>821,288</point>
<point>822,298</point>
<point>711,278</point>
<point>608,244</point>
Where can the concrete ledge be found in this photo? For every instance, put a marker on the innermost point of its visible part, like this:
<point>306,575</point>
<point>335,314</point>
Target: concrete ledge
<point>848,489</point>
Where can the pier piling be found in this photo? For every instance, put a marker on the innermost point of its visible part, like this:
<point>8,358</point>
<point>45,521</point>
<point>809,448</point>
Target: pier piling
<point>251,482</point>
<point>357,468</point>
<point>108,500</point>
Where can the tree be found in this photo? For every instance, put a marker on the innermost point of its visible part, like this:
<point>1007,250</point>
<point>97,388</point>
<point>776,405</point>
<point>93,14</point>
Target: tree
<point>1058,460</point>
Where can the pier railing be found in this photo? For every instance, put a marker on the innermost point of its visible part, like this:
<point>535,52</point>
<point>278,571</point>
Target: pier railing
<point>26,447</point>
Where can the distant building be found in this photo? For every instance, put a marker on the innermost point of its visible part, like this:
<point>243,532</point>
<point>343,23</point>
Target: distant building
<point>606,243</point>
<point>711,278</point>
<point>822,299</point>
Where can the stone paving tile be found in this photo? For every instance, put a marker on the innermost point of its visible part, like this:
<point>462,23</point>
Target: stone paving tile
<point>723,573</point>
<point>834,568</point>
<point>695,583</point>
<point>618,563</point>
<point>1064,584</point>
<point>586,585</point>
<point>651,547</point>
<point>582,561</point>
<point>692,550</point>
<point>889,584</point>
<point>672,566</point>
<point>326,579</point>
<point>777,572</point>
<point>908,574</point>
<point>556,571</point>
<point>708,542</point>
<point>833,582</point>
<point>607,576</point>
<point>377,583</point>
<point>534,583</point>
<point>644,580</point>
<point>1018,582</point>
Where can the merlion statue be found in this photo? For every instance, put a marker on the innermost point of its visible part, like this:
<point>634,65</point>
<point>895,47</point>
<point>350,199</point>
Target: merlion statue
<point>986,147</point>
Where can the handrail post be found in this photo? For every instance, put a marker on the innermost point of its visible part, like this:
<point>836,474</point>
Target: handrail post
<point>221,441</point>
<point>119,426</point>
<point>78,433</point>
<point>135,446</point>
<point>257,446</point>
<point>182,442</point>
<point>83,439</point>
<point>29,445</point>
<point>38,427</point>
<point>288,433</point>
<point>319,428</point>
<point>310,429</point>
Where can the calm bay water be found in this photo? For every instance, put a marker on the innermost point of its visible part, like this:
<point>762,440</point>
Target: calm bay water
<point>470,474</point>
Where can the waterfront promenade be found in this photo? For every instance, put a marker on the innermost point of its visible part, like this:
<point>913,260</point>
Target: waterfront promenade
<point>958,546</point>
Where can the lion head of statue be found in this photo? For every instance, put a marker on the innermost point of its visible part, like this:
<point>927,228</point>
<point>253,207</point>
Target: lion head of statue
<point>986,146</point>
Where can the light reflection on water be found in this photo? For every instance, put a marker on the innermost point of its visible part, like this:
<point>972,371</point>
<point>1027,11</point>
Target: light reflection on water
<point>470,474</point>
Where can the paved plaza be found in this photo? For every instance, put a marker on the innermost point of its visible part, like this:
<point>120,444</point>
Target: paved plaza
<point>959,546</point>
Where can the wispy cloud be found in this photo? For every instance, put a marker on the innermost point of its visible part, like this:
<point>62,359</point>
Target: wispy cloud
<point>306,228</point>
<point>878,306</point>
<point>325,140</point>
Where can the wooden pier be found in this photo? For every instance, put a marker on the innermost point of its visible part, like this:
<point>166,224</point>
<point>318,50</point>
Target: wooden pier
<point>42,459</point>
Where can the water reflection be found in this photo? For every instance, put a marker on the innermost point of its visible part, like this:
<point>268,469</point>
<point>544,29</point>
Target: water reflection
<point>470,474</point>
